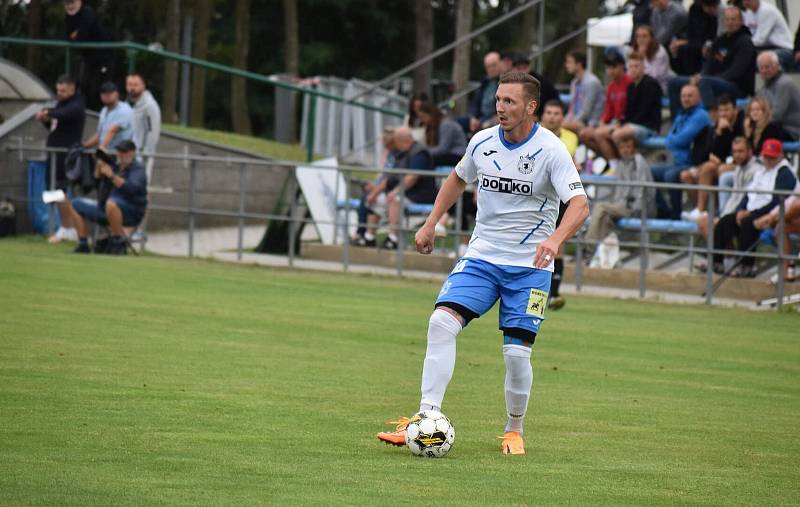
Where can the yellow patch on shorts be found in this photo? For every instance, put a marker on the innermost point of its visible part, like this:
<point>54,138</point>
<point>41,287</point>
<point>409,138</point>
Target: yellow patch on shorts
<point>537,303</point>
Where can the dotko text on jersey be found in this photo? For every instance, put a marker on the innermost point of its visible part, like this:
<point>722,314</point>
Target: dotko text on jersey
<point>506,185</point>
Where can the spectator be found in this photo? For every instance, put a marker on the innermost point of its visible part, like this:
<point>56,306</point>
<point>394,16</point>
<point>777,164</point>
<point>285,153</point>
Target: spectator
<point>417,189</point>
<point>586,94</point>
<point>146,119</point>
<point>790,225</point>
<point>552,120</point>
<point>124,206</point>
<point>481,109</point>
<point>656,59</point>
<point>96,66</point>
<point>739,226</point>
<point>547,91</point>
<point>668,19</point>
<point>642,118</point>
<point>614,110</point>
<point>729,123</point>
<point>625,201</point>
<point>758,124</point>
<point>507,62</point>
<point>116,121</point>
<point>688,124</point>
<point>444,137</point>
<point>412,120</point>
<point>686,49</point>
<point>729,68</point>
<point>65,123</point>
<point>641,15</point>
<point>781,92</point>
<point>769,29</point>
<point>373,192</point>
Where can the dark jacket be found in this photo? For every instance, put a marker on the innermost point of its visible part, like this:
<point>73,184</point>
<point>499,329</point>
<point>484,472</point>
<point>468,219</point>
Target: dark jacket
<point>773,130</point>
<point>134,190</point>
<point>733,58</point>
<point>418,157</point>
<point>547,92</point>
<point>475,106</point>
<point>643,104</point>
<point>87,28</point>
<point>70,115</point>
<point>700,27</point>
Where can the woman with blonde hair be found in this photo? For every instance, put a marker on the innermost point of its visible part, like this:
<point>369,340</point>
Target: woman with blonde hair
<point>758,124</point>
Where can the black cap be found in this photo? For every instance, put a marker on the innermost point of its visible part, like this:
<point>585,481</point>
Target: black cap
<point>108,87</point>
<point>126,146</point>
<point>613,58</point>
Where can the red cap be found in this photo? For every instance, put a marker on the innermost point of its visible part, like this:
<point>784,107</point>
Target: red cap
<point>772,148</point>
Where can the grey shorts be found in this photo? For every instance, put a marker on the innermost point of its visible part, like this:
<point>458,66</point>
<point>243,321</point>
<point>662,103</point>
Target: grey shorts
<point>640,132</point>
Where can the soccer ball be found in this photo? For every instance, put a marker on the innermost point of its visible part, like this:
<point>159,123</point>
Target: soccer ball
<point>429,433</point>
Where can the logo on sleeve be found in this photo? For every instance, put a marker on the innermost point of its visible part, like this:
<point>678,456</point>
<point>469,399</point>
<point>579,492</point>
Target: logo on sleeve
<point>506,185</point>
<point>576,185</point>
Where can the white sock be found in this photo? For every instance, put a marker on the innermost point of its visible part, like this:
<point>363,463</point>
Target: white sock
<point>519,379</point>
<point>440,358</point>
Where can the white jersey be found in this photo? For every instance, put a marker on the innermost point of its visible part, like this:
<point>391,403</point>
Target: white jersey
<point>519,189</point>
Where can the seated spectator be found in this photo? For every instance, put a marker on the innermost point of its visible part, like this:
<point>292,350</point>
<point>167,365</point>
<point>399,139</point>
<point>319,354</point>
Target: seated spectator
<point>686,127</point>
<point>729,68</point>
<point>444,137</point>
<point>790,225</point>
<point>123,207</point>
<point>769,29</point>
<point>739,227</point>
<point>614,110</point>
<point>547,91</point>
<point>668,19</point>
<point>656,59</point>
<point>553,119</point>
<point>728,124</point>
<point>146,118</point>
<point>781,92</point>
<point>625,201</point>
<point>481,109</point>
<point>758,124</point>
<point>372,192</point>
<point>65,123</point>
<point>417,189</point>
<point>411,120</point>
<point>116,121</point>
<point>642,118</point>
<point>686,49</point>
<point>586,94</point>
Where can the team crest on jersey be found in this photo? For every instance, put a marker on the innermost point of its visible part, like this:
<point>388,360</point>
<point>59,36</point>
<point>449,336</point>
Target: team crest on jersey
<point>525,164</point>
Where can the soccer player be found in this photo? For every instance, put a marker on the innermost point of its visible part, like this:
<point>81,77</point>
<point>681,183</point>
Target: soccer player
<point>522,172</point>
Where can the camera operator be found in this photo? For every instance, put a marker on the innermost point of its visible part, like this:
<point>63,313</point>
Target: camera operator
<point>122,205</point>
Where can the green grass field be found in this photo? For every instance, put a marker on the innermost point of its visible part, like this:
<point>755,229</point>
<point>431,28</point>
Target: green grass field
<point>150,381</point>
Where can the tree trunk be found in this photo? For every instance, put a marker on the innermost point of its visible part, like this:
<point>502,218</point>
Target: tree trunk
<point>461,55</point>
<point>172,24</point>
<point>291,45</point>
<point>423,16</point>
<point>34,32</point>
<point>240,114</point>
<point>202,16</point>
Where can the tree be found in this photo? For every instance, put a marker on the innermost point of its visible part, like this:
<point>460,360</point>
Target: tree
<point>240,113</point>
<point>461,55</point>
<point>202,19</point>
<point>423,16</point>
<point>34,32</point>
<point>169,101</point>
<point>291,46</point>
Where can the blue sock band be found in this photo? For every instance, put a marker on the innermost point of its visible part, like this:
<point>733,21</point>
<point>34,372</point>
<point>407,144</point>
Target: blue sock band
<point>508,340</point>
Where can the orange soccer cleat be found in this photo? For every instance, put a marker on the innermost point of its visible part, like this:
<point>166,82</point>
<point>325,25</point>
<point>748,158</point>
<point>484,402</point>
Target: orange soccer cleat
<point>512,443</point>
<point>398,436</point>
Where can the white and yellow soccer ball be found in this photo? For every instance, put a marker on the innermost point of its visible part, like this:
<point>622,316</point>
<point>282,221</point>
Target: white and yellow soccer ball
<point>429,433</point>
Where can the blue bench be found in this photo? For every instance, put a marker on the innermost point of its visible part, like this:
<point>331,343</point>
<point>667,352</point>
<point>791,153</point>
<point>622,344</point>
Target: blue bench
<point>660,142</point>
<point>740,103</point>
<point>659,225</point>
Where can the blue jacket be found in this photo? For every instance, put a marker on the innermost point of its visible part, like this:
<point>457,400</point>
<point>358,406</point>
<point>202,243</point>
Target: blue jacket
<point>684,129</point>
<point>134,190</point>
<point>475,107</point>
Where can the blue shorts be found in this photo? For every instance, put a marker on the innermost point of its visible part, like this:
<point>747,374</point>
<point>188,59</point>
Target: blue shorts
<point>477,285</point>
<point>91,211</point>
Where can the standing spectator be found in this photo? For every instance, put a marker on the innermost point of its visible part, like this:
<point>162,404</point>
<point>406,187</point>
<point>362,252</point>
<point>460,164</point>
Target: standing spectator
<point>668,19</point>
<point>444,137</point>
<point>614,111</point>
<point>116,121</point>
<point>586,91</point>
<point>412,120</point>
<point>96,66</point>
<point>701,29</point>
<point>656,59</point>
<point>65,122</point>
<point>729,123</point>
<point>775,175</point>
<point>688,124</point>
<point>730,65</point>
<point>769,29</point>
<point>146,119</point>
<point>481,109</point>
<point>758,124</point>
<point>781,92</point>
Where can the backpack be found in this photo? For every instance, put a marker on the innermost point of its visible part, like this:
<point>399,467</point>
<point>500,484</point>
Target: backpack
<point>8,218</point>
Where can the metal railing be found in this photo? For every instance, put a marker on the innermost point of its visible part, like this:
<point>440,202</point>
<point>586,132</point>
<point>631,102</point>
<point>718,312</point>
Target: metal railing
<point>239,164</point>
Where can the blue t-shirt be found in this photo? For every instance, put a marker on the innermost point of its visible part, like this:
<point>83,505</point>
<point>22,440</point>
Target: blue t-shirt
<point>121,115</point>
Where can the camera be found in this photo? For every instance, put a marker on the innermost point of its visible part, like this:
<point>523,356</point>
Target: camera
<point>105,157</point>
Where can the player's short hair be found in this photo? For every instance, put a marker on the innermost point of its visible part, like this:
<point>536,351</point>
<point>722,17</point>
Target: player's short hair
<point>530,84</point>
<point>579,57</point>
<point>65,79</point>
<point>555,103</point>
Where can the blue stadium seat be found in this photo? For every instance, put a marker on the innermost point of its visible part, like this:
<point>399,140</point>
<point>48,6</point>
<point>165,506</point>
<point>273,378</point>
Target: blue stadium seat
<point>791,147</point>
<point>596,178</point>
<point>354,203</point>
<point>659,225</point>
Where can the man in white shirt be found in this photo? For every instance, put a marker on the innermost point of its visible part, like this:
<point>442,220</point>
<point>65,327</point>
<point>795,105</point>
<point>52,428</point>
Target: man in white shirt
<point>522,172</point>
<point>769,29</point>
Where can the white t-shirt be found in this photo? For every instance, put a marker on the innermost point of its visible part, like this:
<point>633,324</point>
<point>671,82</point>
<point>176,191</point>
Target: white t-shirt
<point>769,27</point>
<point>519,190</point>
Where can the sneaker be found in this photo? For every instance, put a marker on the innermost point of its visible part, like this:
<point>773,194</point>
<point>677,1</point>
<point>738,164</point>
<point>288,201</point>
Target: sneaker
<point>70,234</point>
<point>118,248</point>
<point>398,436</point>
<point>102,246</point>
<point>556,303</point>
<point>512,443</point>
<point>691,216</point>
<point>362,241</point>
<point>61,235</point>
<point>389,244</point>
<point>82,248</point>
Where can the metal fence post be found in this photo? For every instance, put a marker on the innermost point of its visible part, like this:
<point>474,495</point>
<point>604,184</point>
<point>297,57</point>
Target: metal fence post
<point>540,60</point>
<point>292,211</point>
<point>312,123</point>
<point>710,248</point>
<point>192,168</point>
<point>346,232</point>
<point>240,238</point>
<point>578,262</point>
<point>67,60</point>
<point>401,232</point>
<point>131,61</point>
<point>644,251</point>
<point>51,209</point>
<point>779,230</point>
